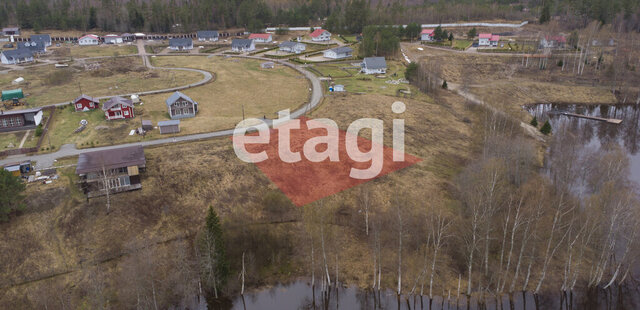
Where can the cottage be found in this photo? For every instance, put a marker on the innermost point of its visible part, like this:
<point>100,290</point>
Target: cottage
<point>116,170</point>
<point>90,39</point>
<point>113,39</point>
<point>20,119</point>
<point>553,42</point>
<point>172,126</point>
<point>261,37</point>
<point>268,65</point>
<point>11,31</point>
<point>180,44</point>
<point>128,37</point>
<point>484,39</point>
<point>292,47</point>
<point>427,35</point>
<point>181,106</point>
<point>242,45</point>
<point>338,52</point>
<point>17,56</point>
<point>374,65</point>
<point>45,38</point>
<point>36,47</point>
<point>85,103</point>
<point>320,35</point>
<point>118,108</point>
<point>207,35</point>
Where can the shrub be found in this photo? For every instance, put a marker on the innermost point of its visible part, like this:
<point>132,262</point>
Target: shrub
<point>534,122</point>
<point>39,130</point>
<point>444,84</point>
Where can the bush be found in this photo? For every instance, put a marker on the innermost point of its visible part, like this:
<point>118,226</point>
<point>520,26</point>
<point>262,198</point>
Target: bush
<point>560,63</point>
<point>546,128</point>
<point>534,122</point>
<point>444,84</point>
<point>39,130</point>
<point>411,71</point>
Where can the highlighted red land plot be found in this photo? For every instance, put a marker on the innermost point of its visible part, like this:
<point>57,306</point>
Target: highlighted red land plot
<point>306,181</point>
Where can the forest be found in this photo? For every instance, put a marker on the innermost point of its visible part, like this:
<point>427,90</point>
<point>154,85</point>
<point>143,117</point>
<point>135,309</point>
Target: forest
<point>342,16</point>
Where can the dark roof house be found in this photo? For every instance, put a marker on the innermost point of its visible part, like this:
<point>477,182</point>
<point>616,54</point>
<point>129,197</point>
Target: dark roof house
<point>41,38</point>
<point>117,170</point>
<point>207,35</point>
<point>180,43</point>
<point>181,106</point>
<point>373,65</point>
<point>17,56</point>
<point>111,159</point>
<point>38,47</point>
<point>241,43</point>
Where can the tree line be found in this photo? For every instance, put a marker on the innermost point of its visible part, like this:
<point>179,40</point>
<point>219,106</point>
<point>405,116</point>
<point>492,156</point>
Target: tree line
<point>342,16</point>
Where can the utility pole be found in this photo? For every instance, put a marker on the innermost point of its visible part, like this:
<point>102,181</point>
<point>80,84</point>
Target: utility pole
<point>243,111</point>
<point>106,187</point>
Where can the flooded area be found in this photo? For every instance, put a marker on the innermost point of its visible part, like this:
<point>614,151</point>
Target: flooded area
<point>595,134</point>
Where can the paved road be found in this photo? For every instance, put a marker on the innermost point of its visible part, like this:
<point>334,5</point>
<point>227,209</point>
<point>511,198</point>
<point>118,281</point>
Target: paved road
<point>44,161</point>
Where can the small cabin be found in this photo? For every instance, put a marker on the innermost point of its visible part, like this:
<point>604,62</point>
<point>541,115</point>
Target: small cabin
<point>172,126</point>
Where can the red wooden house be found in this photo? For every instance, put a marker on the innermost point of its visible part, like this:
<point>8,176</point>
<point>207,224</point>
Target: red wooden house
<point>85,103</point>
<point>118,108</point>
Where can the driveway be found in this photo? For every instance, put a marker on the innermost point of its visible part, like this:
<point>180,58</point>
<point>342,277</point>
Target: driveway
<point>44,161</point>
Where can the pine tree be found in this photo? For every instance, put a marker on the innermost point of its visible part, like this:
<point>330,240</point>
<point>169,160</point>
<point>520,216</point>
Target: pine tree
<point>472,33</point>
<point>546,128</point>
<point>451,36</point>
<point>534,122</point>
<point>11,197</point>
<point>212,255</point>
<point>545,16</point>
<point>444,84</point>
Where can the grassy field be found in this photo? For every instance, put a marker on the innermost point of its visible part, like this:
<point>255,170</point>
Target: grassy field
<point>77,51</point>
<point>461,44</point>
<point>14,138</point>
<point>45,85</point>
<point>68,232</point>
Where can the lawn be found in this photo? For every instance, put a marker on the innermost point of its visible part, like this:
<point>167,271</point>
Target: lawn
<point>14,138</point>
<point>239,83</point>
<point>336,70</point>
<point>46,85</point>
<point>461,44</point>
<point>77,51</point>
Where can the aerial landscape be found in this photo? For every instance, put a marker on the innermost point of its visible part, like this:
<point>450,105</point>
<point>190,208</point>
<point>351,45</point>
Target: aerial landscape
<point>347,154</point>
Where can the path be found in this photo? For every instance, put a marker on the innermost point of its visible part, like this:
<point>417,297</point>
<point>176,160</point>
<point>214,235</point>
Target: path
<point>47,160</point>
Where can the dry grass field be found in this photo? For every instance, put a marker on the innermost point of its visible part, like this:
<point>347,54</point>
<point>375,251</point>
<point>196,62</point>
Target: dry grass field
<point>58,241</point>
<point>46,85</point>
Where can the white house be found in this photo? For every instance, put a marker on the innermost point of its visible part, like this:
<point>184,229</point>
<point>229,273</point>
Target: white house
<point>90,39</point>
<point>338,52</point>
<point>292,47</point>
<point>320,35</point>
<point>17,56</point>
<point>261,37</point>
<point>180,44</point>
<point>207,35</point>
<point>374,65</point>
<point>113,39</point>
<point>427,35</point>
<point>484,39</point>
<point>242,45</point>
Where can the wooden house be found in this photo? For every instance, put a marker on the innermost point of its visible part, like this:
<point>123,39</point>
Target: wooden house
<point>261,37</point>
<point>207,35</point>
<point>180,105</point>
<point>113,170</point>
<point>85,103</point>
<point>20,119</point>
<point>374,65</point>
<point>16,56</point>
<point>320,35</point>
<point>172,126</point>
<point>242,45</point>
<point>90,39</point>
<point>180,44</point>
<point>427,35</point>
<point>338,52</point>
<point>292,47</point>
<point>118,108</point>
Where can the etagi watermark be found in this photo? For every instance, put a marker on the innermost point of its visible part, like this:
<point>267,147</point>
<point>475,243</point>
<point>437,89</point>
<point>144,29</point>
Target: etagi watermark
<point>284,124</point>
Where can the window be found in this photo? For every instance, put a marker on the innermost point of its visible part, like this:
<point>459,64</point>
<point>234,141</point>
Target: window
<point>79,106</point>
<point>126,113</point>
<point>117,113</point>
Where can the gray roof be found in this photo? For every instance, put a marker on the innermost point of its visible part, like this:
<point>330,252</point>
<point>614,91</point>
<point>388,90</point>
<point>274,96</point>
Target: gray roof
<point>115,101</point>
<point>375,63</point>
<point>10,28</point>
<point>23,111</point>
<point>289,44</point>
<point>40,37</point>
<point>241,43</point>
<point>83,96</point>
<point>177,95</point>
<point>169,123</point>
<point>18,53</point>
<point>207,34</point>
<point>342,50</point>
<point>34,46</point>
<point>180,42</point>
<point>111,159</point>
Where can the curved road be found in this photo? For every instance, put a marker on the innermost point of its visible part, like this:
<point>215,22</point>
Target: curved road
<point>47,160</point>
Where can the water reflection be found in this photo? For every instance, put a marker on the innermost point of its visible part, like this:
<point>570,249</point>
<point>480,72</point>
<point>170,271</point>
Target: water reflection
<point>596,134</point>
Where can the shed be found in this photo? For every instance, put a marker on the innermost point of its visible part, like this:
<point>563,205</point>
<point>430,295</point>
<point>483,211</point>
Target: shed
<point>147,124</point>
<point>12,94</point>
<point>17,81</point>
<point>172,126</point>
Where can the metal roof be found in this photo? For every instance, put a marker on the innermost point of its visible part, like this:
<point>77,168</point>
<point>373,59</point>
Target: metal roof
<point>207,34</point>
<point>34,46</point>
<point>241,43</point>
<point>177,95</point>
<point>12,94</point>
<point>40,37</point>
<point>169,123</point>
<point>111,159</point>
<point>289,44</point>
<point>342,49</point>
<point>374,63</point>
<point>24,111</point>
<point>115,101</point>
<point>180,42</point>
<point>83,96</point>
<point>18,53</point>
